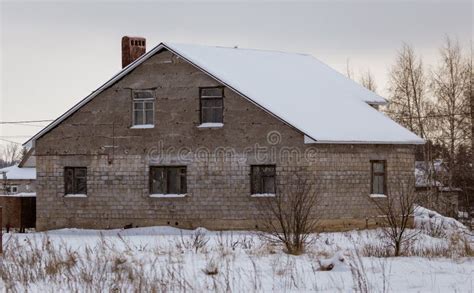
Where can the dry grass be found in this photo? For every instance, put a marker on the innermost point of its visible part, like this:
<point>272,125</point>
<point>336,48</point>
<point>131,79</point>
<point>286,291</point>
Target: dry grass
<point>456,246</point>
<point>195,263</point>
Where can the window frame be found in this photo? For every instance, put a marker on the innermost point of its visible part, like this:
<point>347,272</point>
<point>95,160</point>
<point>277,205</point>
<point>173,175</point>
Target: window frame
<point>260,192</point>
<point>373,174</point>
<point>167,169</point>
<point>201,89</point>
<point>75,190</point>
<point>9,189</point>
<point>143,101</point>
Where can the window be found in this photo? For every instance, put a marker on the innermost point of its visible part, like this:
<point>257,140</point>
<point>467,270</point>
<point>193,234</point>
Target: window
<point>212,104</point>
<point>168,180</point>
<point>75,180</point>
<point>263,179</point>
<point>12,189</point>
<point>378,184</point>
<point>143,107</point>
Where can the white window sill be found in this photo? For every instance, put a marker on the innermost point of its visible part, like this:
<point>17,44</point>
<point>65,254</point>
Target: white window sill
<point>377,195</point>
<point>75,195</point>
<point>211,125</point>
<point>167,195</point>
<point>143,126</point>
<point>263,195</point>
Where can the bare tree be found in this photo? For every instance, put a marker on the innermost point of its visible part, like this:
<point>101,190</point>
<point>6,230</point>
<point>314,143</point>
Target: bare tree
<point>290,217</point>
<point>409,104</point>
<point>450,83</point>
<point>470,94</point>
<point>367,80</point>
<point>11,154</point>
<point>349,71</point>
<point>397,211</point>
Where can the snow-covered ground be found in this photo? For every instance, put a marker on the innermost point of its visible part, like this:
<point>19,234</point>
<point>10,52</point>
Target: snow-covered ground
<point>164,259</point>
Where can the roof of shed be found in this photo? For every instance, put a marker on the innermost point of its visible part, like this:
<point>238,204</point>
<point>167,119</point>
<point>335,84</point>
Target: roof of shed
<point>17,173</point>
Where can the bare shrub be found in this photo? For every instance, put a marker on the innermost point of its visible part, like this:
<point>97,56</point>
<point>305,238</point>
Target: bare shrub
<point>359,273</point>
<point>397,214</point>
<point>434,229</point>
<point>290,217</point>
<point>196,241</point>
<point>199,239</point>
<point>385,269</point>
<point>376,250</point>
<point>212,267</point>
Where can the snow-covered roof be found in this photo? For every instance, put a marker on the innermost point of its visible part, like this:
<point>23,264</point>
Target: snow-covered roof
<point>296,88</point>
<point>17,173</point>
<point>422,178</point>
<point>20,194</point>
<point>422,175</point>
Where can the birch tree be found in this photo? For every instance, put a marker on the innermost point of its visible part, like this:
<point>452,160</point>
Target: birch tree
<point>367,80</point>
<point>10,154</point>
<point>409,104</point>
<point>450,83</point>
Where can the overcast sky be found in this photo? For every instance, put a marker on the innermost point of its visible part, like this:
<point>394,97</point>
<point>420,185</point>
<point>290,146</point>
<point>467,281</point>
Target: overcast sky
<point>55,53</point>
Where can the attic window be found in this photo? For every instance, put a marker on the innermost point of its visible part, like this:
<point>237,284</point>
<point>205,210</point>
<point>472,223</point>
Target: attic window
<point>212,104</point>
<point>143,108</point>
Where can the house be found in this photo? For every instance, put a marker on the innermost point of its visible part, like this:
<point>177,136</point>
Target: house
<point>189,136</point>
<point>17,193</point>
<point>431,192</point>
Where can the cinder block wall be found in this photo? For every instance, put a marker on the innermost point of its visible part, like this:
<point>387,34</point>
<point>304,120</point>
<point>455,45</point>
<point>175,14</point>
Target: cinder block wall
<point>218,161</point>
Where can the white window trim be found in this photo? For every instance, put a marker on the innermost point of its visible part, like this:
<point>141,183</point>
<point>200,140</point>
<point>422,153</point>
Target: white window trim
<point>80,195</point>
<point>167,195</point>
<point>263,195</point>
<point>143,126</point>
<point>211,125</point>
<point>377,195</point>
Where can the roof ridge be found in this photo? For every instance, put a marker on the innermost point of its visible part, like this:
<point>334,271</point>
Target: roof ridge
<point>238,48</point>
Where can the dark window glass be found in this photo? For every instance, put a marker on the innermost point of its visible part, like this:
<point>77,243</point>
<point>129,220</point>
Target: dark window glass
<point>212,105</point>
<point>378,185</point>
<point>75,180</point>
<point>168,180</point>
<point>263,179</point>
<point>143,107</point>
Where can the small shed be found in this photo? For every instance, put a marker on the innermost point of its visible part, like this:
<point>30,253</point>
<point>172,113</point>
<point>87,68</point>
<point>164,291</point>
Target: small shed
<point>431,192</point>
<point>18,196</point>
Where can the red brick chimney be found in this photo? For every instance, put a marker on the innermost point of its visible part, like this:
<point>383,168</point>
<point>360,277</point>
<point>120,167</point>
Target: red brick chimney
<point>132,49</point>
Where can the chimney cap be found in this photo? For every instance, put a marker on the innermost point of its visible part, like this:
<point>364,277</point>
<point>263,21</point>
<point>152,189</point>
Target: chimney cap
<point>132,37</point>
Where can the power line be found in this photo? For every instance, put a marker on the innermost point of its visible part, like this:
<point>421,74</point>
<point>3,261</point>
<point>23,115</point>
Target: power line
<point>25,121</point>
<point>32,125</point>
